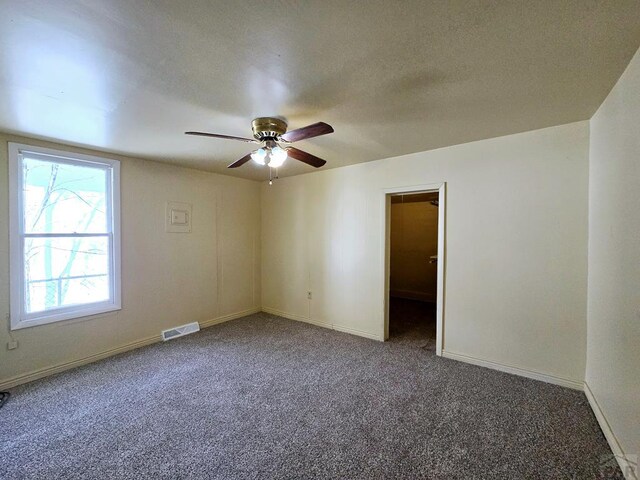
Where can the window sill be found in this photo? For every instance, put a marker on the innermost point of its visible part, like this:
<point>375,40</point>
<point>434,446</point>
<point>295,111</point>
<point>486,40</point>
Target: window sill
<point>77,315</point>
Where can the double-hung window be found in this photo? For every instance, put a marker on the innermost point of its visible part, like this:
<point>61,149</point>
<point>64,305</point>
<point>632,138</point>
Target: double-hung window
<point>64,235</point>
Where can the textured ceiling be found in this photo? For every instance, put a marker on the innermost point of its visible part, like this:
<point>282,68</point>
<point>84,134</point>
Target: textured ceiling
<point>391,77</point>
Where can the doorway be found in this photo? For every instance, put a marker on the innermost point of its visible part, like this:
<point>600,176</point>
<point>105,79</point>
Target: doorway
<point>414,267</point>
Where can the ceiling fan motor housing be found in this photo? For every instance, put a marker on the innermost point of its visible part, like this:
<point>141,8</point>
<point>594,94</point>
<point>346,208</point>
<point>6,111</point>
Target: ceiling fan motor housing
<point>268,128</point>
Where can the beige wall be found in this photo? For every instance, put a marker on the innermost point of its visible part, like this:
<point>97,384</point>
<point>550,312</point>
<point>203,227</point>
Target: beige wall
<point>516,262</point>
<point>168,279</point>
<point>613,334</point>
<point>413,240</point>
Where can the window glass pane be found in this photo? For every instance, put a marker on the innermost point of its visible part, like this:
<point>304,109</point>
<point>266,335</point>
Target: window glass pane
<point>61,198</point>
<point>65,271</point>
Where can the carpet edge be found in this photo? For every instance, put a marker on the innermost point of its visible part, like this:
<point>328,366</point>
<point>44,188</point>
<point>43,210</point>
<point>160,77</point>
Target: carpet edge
<point>21,379</point>
<point>627,467</point>
<point>523,372</point>
<point>330,326</point>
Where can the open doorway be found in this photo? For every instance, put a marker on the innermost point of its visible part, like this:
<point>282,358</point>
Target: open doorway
<point>413,270</point>
<point>414,266</point>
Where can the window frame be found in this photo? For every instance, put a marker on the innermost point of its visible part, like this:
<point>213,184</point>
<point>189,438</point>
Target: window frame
<point>19,317</point>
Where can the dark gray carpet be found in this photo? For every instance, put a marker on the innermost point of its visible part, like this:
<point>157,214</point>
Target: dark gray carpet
<point>265,397</point>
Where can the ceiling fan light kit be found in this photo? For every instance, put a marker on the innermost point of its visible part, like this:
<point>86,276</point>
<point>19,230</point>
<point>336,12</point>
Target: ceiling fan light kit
<point>270,131</point>
<point>271,154</point>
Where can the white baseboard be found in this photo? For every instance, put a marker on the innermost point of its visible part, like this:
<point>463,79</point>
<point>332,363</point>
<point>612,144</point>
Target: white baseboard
<point>330,326</point>
<point>354,331</point>
<point>293,316</point>
<point>564,382</point>
<point>61,367</point>
<point>230,316</point>
<point>629,469</point>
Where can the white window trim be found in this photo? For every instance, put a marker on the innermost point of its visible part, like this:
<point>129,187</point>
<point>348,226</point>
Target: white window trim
<point>19,318</point>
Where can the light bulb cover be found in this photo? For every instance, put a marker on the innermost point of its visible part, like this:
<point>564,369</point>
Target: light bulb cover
<point>259,156</point>
<point>278,156</point>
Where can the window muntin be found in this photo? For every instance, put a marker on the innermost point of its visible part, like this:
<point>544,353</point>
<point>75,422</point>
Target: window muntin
<point>65,243</point>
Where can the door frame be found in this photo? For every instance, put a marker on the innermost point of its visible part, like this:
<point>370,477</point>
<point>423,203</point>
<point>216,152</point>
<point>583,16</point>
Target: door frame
<point>386,195</point>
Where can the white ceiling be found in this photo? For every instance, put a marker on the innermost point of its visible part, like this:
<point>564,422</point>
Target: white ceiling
<point>130,76</point>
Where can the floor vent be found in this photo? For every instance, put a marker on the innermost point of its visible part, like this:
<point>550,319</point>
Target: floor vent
<point>180,331</point>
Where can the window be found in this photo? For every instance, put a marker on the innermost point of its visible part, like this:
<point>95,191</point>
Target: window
<point>65,242</point>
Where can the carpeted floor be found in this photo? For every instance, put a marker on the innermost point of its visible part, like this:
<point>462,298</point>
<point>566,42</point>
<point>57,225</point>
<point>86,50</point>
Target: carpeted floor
<point>265,397</point>
<point>412,321</point>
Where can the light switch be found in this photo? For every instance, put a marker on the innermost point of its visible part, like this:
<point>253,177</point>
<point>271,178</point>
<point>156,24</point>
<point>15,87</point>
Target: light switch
<point>178,217</point>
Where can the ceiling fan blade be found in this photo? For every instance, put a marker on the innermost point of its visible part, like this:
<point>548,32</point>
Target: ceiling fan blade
<point>227,137</point>
<point>309,131</point>
<point>305,157</point>
<point>242,161</point>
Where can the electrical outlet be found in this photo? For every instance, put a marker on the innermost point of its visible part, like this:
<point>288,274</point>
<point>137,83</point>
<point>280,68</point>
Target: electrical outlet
<point>12,345</point>
<point>309,294</point>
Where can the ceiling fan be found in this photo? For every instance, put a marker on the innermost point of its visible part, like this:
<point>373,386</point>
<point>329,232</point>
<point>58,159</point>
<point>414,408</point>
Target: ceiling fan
<point>270,132</point>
